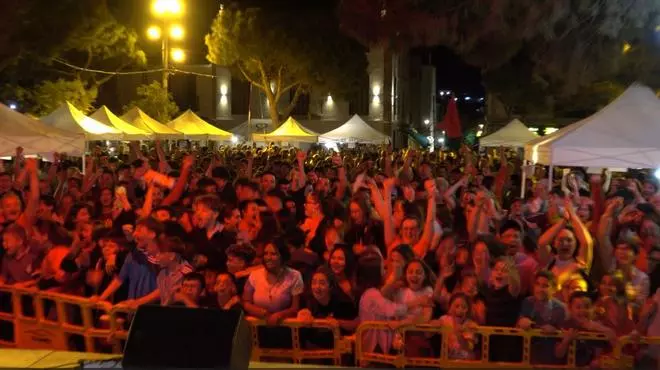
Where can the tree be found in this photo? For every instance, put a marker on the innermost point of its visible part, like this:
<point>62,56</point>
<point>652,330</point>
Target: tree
<point>84,34</point>
<point>49,95</point>
<point>155,101</point>
<point>286,49</point>
<point>567,47</point>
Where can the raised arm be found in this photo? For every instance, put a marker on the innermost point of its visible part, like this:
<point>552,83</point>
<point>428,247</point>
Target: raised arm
<point>424,243</point>
<point>502,176</point>
<point>180,186</point>
<point>341,173</point>
<point>546,239</point>
<point>148,205</point>
<point>29,216</point>
<point>450,195</point>
<point>586,244</point>
<point>387,161</point>
<point>163,166</point>
<point>388,223</point>
<point>300,158</point>
<point>605,231</point>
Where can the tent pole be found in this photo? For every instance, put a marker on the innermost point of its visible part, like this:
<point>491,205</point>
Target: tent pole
<point>249,120</point>
<point>84,153</point>
<point>550,175</point>
<point>524,179</point>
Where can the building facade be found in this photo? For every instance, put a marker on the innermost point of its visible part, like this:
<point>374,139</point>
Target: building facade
<point>398,92</point>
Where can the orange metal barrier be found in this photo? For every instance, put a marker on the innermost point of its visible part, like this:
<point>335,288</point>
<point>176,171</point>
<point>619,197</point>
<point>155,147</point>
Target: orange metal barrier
<point>485,335</point>
<point>33,319</point>
<point>298,351</point>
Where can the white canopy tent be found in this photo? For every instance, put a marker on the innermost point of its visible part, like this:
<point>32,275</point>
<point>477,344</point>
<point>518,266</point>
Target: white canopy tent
<point>624,134</point>
<point>35,137</point>
<point>621,135</point>
<point>195,128</point>
<point>253,126</point>
<point>69,118</point>
<point>105,116</point>
<point>514,135</point>
<point>141,120</point>
<point>291,131</point>
<point>355,130</point>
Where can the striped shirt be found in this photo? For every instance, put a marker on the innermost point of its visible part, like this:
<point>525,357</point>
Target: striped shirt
<point>169,281</point>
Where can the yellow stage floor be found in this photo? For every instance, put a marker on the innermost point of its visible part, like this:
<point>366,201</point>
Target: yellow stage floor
<point>45,359</point>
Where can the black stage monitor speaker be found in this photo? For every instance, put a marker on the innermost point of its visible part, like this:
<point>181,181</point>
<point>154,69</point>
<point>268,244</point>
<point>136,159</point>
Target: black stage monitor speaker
<point>179,337</point>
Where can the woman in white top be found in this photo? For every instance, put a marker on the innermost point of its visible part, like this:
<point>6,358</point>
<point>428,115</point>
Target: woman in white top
<point>375,307</point>
<point>273,291</point>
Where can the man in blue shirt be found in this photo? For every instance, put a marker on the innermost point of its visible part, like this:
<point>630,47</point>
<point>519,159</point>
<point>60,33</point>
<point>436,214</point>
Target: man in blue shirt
<point>139,268</point>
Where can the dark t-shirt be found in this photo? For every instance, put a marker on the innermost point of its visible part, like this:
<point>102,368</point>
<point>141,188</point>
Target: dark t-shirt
<point>502,308</point>
<point>340,306</point>
<point>213,249</point>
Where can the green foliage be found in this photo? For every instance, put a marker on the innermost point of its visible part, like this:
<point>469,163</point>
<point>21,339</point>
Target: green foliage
<point>537,55</point>
<point>155,101</point>
<point>50,95</point>
<point>81,32</point>
<point>279,50</point>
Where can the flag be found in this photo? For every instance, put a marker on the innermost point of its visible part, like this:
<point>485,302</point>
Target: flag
<point>451,124</point>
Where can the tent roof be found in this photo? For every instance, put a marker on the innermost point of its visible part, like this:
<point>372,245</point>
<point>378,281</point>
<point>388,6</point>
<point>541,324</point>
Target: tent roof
<point>195,128</point>
<point>36,138</point>
<point>621,135</point>
<point>141,120</point>
<point>105,116</point>
<point>515,134</point>
<point>290,130</point>
<point>257,125</point>
<point>69,118</point>
<point>355,130</point>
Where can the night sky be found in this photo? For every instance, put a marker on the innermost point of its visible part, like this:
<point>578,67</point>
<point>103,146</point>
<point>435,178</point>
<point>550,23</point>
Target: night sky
<point>452,73</point>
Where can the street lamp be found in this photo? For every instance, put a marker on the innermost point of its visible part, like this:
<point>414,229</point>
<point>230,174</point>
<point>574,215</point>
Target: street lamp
<point>178,55</point>
<point>153,33</point>
<point>166,11</point>
<point>176,32</point>
<point>164,8</point>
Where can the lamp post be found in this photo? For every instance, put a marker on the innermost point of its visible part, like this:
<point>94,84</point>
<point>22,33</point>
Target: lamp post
<point>167,11</point>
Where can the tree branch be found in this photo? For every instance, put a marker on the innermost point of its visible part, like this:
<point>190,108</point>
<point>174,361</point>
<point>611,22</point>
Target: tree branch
<point>279,82</point>
<point>287,111</point>
<point>264,80</point>
<point>90,56</point>
<point>252,81</point>
<point>291,86</point>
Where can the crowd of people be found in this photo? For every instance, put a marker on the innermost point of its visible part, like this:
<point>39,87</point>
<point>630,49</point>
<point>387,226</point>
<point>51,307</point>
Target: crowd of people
<point>363,234</point>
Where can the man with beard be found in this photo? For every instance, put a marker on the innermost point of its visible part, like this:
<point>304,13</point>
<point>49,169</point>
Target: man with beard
<point>210,237</point>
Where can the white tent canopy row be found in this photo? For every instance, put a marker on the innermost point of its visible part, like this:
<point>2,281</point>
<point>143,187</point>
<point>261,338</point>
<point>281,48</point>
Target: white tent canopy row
<point>69,118</point>
<point>355,130</point>
<point>136,117</point>
<point>514,135</point>
<point>36,138</point>
<point>624,134</point>
<point>105,116</point>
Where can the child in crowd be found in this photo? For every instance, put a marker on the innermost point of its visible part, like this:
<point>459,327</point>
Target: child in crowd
<point>460,335</point>
<point>173,269</point>
<point>418,284</point>
<point>587,353</point>
<point>190,293</point>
